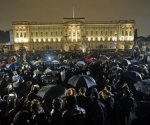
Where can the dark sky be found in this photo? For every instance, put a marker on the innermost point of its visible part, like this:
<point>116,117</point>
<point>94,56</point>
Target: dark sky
<point>92,10</point>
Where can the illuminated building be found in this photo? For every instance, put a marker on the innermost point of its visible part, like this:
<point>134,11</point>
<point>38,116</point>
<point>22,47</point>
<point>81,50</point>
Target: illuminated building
<point>74,34</point>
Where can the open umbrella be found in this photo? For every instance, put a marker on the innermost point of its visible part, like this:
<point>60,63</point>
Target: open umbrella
<point>132,76</point>
<point>15,65</point>
<point>134,61</point>
<point>51,92</point>
<point>139,69</point>
<point>126,62</point>
<point>55,62</point>
<point>90,59</point>
<point>80,63</point>
<point>78,81</point>
<point>143,86</point>
<point>64,66</point>
<point>4,70</point>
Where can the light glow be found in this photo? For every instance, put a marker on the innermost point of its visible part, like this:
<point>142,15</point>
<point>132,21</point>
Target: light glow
<point>21,40</point>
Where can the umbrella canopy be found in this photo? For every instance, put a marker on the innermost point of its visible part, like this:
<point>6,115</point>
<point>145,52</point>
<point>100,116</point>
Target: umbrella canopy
<point>126,62</point>
<point>38,62</point>
<point>55,62</point>
<point>64,66</point>
<point>80,63</point>
<point>90,59</point>
<point>51,91</point>
<point>143,86</point>
<point>139,69</point>
<point>4,70</point>
<point>15,65</point>
<point>78,81</point>
<point>132,76</point>
<point>134,61</point>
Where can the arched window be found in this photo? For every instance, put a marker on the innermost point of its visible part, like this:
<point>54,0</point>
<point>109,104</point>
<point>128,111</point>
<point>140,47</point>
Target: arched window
<point>25,35</point>
<point>17,35</point>
<point>21,35</point>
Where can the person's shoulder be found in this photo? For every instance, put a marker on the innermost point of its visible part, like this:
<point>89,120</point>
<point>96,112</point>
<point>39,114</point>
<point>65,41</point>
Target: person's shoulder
<point>80,109</point>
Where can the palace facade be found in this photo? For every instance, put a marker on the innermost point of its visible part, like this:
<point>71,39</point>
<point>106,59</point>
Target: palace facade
<point>74,34</point>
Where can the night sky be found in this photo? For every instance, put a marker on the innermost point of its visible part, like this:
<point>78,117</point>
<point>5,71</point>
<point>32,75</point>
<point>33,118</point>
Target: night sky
<point>92,10</point>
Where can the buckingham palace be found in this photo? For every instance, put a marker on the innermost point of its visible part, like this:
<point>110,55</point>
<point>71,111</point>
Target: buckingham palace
<point>73,34</point>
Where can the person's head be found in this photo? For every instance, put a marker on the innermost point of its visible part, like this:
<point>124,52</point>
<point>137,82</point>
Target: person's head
<point>56,103</point>
<point>35,88</point>
<point>12,98</point>
<point>35,105</point>
<point>94,93</point>
<point>21,118</point>
<point>82,91</point>
<point>71,92</point>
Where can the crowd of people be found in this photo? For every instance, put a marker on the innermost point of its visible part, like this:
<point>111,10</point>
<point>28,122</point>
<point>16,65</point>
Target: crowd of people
<point>112,101</point>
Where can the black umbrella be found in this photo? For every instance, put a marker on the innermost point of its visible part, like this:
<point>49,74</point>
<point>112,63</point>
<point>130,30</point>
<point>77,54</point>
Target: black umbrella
<point>139,69</point>
<point>132,76</point>
<point>78,81</point>
<point>143,86</point>
<point>126,62</point>
<point>51,91</point>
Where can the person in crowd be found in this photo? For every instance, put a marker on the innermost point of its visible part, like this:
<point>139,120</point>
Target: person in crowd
<point>107,98</point>
<point>72,113</point>
<point>55,114</point>
<point>71,92</point>
<point>32,94</point>
<point>97,111</point>
<point>126,105</point>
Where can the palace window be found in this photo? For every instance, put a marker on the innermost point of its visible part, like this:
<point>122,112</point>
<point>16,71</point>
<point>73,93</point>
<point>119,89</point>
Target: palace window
<point>110,33</point>
<point>92,33</point>
<point>17,35</point>
<point>126,33</point>
<point>106,33</point>
<point>96,32</point>
<point>25,35</point>
<point>130,33</point>
<point>46,33</point>
<point>36,34</point>
<point>41,33</point>
<point>122,33</point>
<point>21,34</point>
<point>87,32</point>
